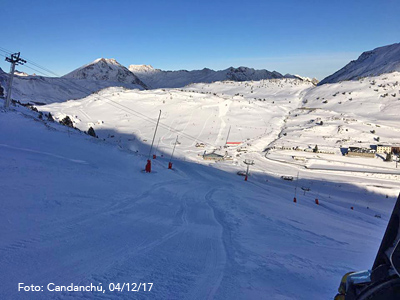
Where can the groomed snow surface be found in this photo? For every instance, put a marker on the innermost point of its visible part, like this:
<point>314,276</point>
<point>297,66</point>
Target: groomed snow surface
<point>77,209</point>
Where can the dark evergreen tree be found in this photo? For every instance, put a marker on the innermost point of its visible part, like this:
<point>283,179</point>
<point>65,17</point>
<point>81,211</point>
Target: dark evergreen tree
<point>50,117</point>
<point>91,132</point>
<point>67,122</point>
<point>315,149</point>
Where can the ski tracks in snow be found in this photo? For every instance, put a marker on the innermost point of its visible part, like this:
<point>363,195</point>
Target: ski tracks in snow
<point>78,161</point>
<point>181,249</point>
<point>169,234</point>
<point>193,252</point>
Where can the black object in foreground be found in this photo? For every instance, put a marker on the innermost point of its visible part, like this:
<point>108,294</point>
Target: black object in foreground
<point>383,281</point>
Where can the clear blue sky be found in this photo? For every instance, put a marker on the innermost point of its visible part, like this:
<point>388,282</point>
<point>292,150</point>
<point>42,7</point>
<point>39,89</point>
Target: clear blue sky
<point>310,38</point>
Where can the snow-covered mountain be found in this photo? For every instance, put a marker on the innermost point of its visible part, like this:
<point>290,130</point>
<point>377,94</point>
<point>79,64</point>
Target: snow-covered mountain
<point>107,70</point>
<point>103,73</point>
<point>140,69</point>
<point>80,83</point>
<point>312,80</point>
<point>19,73</point>
<point>370,63</point>
<point>156,78</point>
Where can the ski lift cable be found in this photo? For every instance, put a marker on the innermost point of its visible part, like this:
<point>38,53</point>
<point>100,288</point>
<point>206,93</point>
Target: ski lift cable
<point>81,88</point>
<point>5,50</point>
<point>118,105</point>
<point>169,128</point>
<point>33,63</point>
<point>36,70</point>
<point>131,111</point>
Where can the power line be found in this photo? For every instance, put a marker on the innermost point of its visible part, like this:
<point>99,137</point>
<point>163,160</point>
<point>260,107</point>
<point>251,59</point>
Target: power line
<point>33,63</point>
<point>137,114</point>
<point>113,103</point>
<point>36,70</point>
<point>5,50</point>
<point>14,59</point>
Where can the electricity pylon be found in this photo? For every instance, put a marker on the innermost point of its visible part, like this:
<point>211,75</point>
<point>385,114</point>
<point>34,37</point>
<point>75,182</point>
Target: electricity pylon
<point>14,59</point>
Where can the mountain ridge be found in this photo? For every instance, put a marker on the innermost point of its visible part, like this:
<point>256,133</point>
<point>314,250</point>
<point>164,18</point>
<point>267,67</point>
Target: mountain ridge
<point>157,78</point>
<point>385,59</point>
<point>107,70</point>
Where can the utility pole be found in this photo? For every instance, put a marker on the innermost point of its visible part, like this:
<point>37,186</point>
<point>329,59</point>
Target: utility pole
<point>172,154</point>
<point>154,136</point>
<point>148,165</point>
<point>248,162</point>
<point>228,135</point>
<point>295,189</point>
<point>14,59</point>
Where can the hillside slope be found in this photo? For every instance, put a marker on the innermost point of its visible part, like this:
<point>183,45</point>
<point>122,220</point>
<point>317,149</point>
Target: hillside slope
<point>381,60</point>
<point>351,113</point>
<point>80,210</point>
<point>40,89</point>
<point>204,111</point>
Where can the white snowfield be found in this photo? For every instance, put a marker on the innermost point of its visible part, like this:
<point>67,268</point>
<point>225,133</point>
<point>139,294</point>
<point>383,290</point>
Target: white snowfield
<point>202,115</point>
<point>79,210</point>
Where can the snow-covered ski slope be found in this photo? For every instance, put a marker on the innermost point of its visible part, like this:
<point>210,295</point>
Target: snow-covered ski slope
<point>80,210</point>
<point>287,113</point>
<point>203,112</point>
